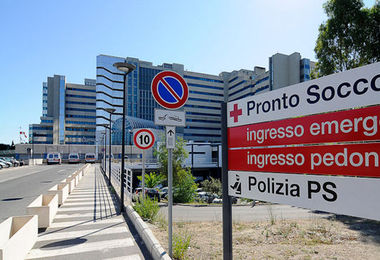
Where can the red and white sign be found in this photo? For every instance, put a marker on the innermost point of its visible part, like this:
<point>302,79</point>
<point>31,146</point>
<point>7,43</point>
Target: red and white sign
<point>346,90</point>
<point>350,160</point>
<point>285,145</point>
<point>170,90</point>
<point>144,139</point>
<point>344,126</point>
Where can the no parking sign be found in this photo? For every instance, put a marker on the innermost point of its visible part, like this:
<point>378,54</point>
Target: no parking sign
<point>170,90</point>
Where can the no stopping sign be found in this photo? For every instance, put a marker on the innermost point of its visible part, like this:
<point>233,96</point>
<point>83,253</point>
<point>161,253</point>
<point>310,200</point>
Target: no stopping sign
<point>144,139</point>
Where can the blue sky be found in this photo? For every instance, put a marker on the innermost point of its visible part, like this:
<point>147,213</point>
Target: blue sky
<point>43,38</point>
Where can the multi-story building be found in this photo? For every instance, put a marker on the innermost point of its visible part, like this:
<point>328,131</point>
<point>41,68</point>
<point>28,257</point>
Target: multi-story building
<point>206,92</point>
<point>286,70</point>
<point>68,113</point>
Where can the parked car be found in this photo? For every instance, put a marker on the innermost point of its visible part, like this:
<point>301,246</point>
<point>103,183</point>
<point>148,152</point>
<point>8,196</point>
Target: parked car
<point>164,192</point>
<point>54,158</point>
<point>151,192</point>
<point>74,158</point>
<point>12,160</point>
<point>7,164</point>
<point>90,158</point>
<point>2,165</point>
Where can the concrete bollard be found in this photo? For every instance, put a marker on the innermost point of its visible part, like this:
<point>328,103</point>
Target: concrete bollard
<point>45,206</point>
<point>71,182</point>
<point>62,190</point>
<point>17,237</point>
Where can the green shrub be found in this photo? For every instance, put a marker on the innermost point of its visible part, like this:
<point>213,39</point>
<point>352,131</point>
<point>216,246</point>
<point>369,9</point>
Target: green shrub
<point>212,186</point>
<point>147,208</point>
<point>181,244</point>
<point>185,188</point>
<point>152,179</point>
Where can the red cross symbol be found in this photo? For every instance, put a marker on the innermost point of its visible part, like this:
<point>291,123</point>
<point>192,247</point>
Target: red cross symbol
<point>236,113</point>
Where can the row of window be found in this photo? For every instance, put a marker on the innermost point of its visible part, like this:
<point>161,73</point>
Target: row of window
<point>79,116</point>
<point>203,128</point>
<point>204,86</point>
<point>205,100</point>
<point>80,96</point>
<point>202,121</point>
<point>80,123</point>
<point>201,114</point>
<point>201,135</point>
<point>81,103</point>
<point>80,109</point>
<point>206,107</point>
<point>81,89</point>
<point>89,142</point>
<point>204,79</point>
<point>41,128</point>
<point>80,129</point>
<point>237,84</point>
<point>232,79</point>
<point>46,121</point>
<point>205,93</point>
<point>80,136</point>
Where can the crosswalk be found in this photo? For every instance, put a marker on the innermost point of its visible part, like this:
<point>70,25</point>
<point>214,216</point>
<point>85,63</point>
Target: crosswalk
<point>87,226</point>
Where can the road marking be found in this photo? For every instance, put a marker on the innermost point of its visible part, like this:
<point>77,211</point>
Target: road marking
<point>13,177</point>
<point>85,233</point>
<point>82,223</point>
<point>82,248</point>
<point>61,170</point>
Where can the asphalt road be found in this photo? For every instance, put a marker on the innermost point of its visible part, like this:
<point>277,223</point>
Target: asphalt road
<point>240,213</point>
<point>21,185</point>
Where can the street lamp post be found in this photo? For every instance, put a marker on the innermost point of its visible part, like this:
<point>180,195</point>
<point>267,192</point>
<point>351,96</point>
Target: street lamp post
<point>110,111</point>
<point>126,68</point>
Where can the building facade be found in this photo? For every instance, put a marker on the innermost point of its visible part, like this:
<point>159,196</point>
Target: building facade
<point>206,92</point>
<point>68,113</point>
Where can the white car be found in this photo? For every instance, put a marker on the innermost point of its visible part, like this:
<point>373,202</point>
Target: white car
<point>74,158</point>
<point>54,158</point>
<point>2,165</point>
<point>90,158</point>
<point>7,164</point>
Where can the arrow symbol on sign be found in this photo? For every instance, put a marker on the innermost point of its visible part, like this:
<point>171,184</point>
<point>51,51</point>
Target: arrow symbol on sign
<point>170,132</point>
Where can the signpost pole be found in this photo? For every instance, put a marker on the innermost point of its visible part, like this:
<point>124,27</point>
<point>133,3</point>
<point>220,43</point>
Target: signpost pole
<point>170,195</point>
<point>143,173</point>
<point>227,205</point>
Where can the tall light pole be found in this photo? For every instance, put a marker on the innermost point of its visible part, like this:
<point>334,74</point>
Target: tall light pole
<point>105,147</point>
<point>126,68</point>
<point>110,111</point>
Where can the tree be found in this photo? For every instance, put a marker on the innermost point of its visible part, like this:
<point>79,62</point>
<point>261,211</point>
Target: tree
<point>152,179</point>
<point>349,38</point>
<point>179,156</point>
<point>184,187</point>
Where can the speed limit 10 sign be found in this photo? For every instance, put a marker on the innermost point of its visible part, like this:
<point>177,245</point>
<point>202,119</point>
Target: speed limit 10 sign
<point>144,139</point>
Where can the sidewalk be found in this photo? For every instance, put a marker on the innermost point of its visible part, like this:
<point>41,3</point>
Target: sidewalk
<point>87,226</point>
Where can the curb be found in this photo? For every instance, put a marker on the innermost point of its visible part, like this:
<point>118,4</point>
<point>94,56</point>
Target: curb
<point>154,247</point>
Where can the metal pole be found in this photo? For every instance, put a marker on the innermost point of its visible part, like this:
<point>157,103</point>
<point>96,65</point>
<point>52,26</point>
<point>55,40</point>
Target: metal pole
<point>105,152</point>
<point>122,177</point>
<point>192,159</point>
<point>143,173</point>
<point>170,194</point>
<point>110,151</point>
<point>227,205</point>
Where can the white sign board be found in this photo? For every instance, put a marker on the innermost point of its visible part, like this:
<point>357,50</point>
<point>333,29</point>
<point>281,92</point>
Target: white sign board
<point>342,195</point>
<point>170,137</point>
<point>169,117</point>
<point>353,88</point>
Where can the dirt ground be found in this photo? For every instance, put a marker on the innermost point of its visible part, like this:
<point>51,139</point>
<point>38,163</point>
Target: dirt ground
<point>335,238</point>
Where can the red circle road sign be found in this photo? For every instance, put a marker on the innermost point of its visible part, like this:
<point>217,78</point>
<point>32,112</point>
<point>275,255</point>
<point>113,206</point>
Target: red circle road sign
<point>170,90</point>
<point>144,139</point>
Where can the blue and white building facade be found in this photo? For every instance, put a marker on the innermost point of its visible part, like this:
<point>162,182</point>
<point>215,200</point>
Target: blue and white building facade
<point>68,113</point>
<point>206,92</point>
